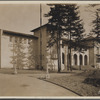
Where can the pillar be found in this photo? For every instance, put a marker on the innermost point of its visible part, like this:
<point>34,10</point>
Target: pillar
<point>78,59</point>
<point>72,58</point>
<point>83,59</point>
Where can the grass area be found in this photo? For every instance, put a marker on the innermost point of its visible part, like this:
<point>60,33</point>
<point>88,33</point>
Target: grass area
<point>21,71</point>
<point>77,82</point>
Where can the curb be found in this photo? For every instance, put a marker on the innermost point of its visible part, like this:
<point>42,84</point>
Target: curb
<point>61,86</point>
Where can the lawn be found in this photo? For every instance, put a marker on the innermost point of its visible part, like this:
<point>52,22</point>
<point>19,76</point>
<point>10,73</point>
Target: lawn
<point>20,71</point>
<point>85,83</point>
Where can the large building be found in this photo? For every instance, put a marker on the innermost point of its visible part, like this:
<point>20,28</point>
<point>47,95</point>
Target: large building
<point>17,49</point>
<point>30,51</point>
<point>87,59</point>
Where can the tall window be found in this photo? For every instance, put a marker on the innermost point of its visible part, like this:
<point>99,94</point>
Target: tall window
<point>81,60</point>
<point>97,50</point>
<point>11,39</point>
<point>85,59</point>
<point>75,59</point>
<point>63,58</point>
<point>20,40</point>
<point>16,39</point>
<point>25,41</point>
<point>29,41</point>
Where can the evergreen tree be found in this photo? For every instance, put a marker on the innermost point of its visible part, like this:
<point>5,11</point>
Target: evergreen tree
<point>31,55</point>
<point>18,58</point>
<point>20,54</point>
<point>96,26</point>
<point>64,21</point>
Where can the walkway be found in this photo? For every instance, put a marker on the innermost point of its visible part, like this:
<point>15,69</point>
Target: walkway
<point>29,85</point>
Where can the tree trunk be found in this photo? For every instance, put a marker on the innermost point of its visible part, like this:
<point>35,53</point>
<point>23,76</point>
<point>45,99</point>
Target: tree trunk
<point>70,55</point>
<point>58,53</point>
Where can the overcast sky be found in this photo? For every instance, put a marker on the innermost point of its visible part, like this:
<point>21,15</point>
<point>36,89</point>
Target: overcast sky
<point>25,17</point>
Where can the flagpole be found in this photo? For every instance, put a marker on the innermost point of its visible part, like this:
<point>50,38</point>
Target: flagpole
<point>40,36</point>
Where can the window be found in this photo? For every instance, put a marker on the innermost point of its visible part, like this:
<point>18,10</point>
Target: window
<point>11,39</point>
<point>63,58</point>
<point>16,39</point>
<point>20,40</point>
<point>75,59</point>
<point>85,59</point>
<point>97,50</point>
<point>98,58</point>
<point>29,41</point>
<point>25,41</point>
<point>81,59</point>
<point>62,45</point>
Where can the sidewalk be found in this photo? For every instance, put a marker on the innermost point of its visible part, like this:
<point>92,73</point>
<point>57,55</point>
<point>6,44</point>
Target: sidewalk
<point>28,85</point>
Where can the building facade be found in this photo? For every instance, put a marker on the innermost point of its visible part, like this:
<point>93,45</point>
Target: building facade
<point>31,52</point>
<point>88,58</point>
<point>17,49</point>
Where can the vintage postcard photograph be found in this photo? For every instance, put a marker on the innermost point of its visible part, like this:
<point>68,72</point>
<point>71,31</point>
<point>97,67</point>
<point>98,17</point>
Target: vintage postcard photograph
<point>49,49</point>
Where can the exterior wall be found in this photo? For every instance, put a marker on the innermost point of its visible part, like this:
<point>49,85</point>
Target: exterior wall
<point>93,52</point>
<point>52,58</point>
<point>92,57</point>
<point>0,46</point>
<point>78,59</point>
<point>37,33</point>
<point>5,52</point>
<point>64,50</point>
<point>97,54</point>
<point>44,44</point>
<point>8,50</point>
<point>46,54</point>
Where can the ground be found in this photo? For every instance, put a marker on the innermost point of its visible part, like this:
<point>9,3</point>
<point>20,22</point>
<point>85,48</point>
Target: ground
<point>34,83</point>
<point>84,83</point>
<point>28,83</point>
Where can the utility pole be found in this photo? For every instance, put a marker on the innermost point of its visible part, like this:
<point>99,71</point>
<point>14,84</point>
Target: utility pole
<point>40,36</point>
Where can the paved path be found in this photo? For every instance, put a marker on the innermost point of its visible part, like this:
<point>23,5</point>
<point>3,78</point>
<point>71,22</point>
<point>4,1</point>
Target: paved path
<point>28,85</point>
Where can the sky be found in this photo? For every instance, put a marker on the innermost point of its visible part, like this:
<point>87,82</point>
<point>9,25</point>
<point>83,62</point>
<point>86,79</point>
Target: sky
<point>25,17</point>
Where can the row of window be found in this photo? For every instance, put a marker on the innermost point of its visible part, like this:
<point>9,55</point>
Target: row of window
<point>19,39</point>
<point>75,59</point>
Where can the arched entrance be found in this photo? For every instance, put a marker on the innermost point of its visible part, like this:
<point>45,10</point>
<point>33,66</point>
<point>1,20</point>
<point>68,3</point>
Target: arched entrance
<point>75,59</point>
<point>81,59</point>
<point>85,59</point>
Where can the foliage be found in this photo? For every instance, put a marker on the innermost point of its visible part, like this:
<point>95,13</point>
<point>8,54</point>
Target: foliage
<point>31,55</point>
<point>18,58</point>
<point>96,26</point>
<point>64,21</point>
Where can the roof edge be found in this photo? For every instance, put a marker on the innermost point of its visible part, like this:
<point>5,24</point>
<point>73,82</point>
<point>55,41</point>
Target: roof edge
<point>38,27</point>
<point>18,33</point>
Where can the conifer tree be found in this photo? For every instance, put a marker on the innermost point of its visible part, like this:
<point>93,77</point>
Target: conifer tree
<point>96,26</point>
<point>31,55</point>
<point>64,21</point>
<point>18,58</point>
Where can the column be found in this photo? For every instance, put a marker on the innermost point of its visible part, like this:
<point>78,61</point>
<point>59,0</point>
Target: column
<point>78,60</point>
<point>83,59</point>
<point>65,56</point>
<point>61,53</point>
<point>72,58</point>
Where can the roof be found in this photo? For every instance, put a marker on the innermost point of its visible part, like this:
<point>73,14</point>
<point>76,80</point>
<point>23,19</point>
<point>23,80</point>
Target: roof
<point>38,27</point>
<point>19,34</point>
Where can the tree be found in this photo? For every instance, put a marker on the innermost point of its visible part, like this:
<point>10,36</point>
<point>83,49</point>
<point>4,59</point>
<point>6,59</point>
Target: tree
<point>31,55</point>
<point>64,21</point>
<point>96,26</point>
<point>18,58</point>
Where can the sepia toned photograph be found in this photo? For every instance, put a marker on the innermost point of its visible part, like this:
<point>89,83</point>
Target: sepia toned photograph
<point>49,49</point>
